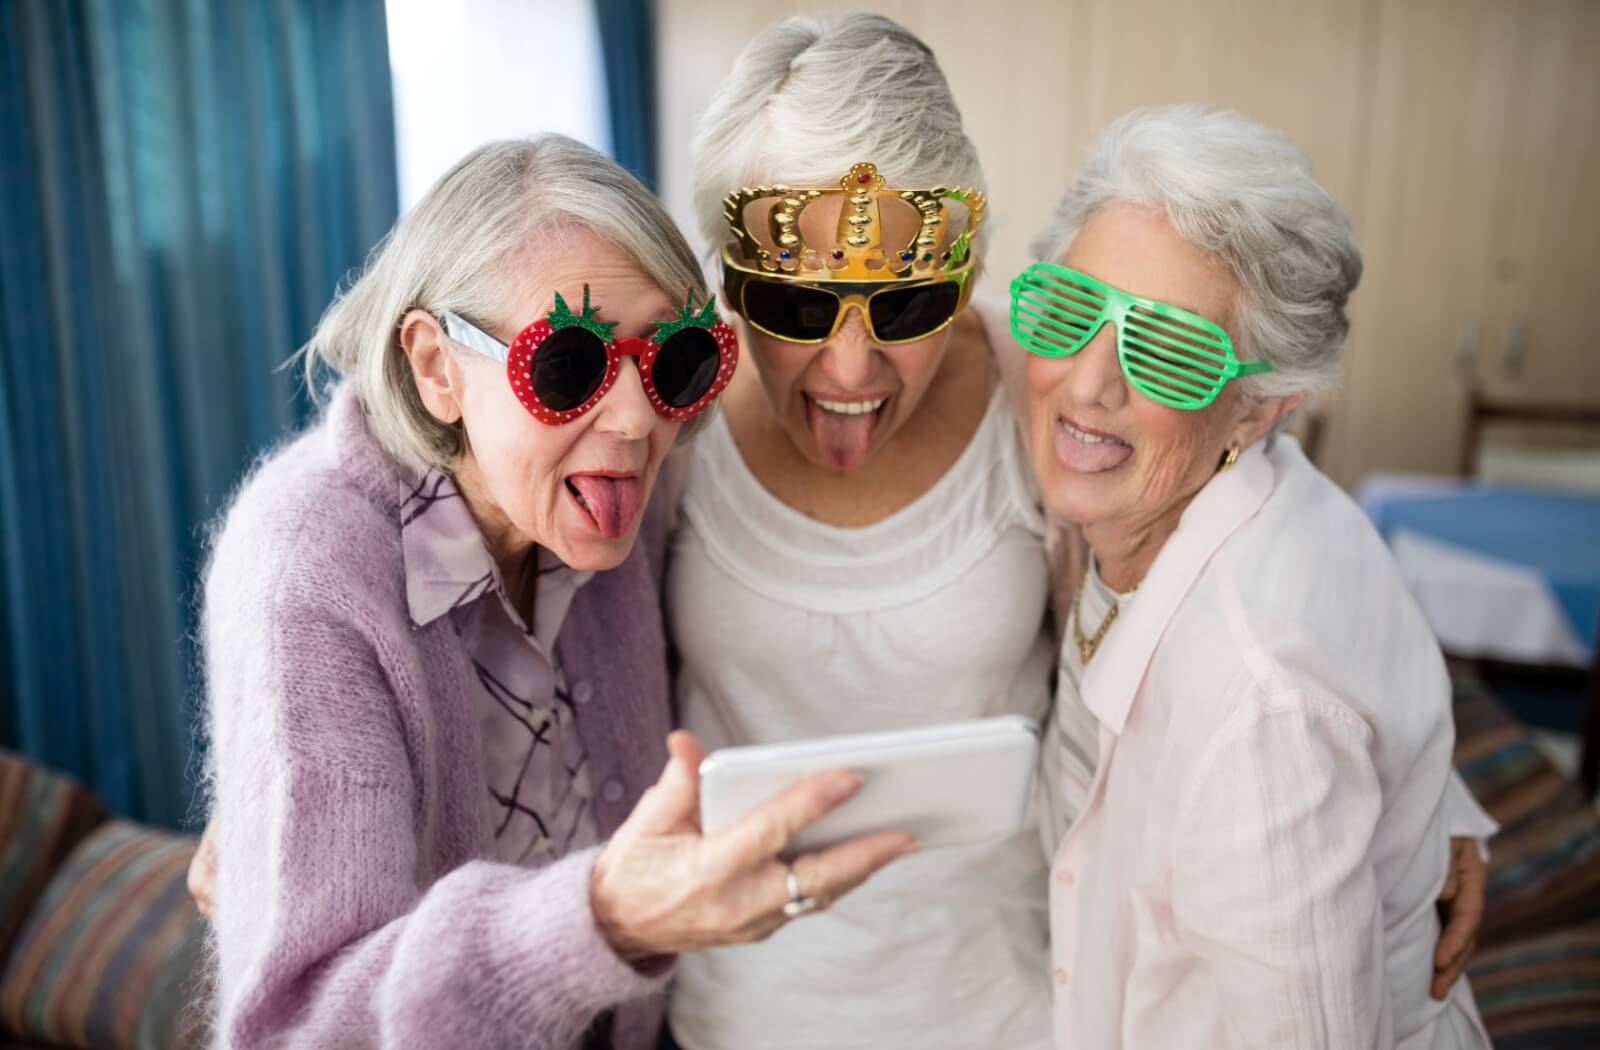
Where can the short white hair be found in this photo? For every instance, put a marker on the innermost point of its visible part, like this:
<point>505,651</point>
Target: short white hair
<point>1243,193</point>
<point>811,96</point>
<point>462,249</point>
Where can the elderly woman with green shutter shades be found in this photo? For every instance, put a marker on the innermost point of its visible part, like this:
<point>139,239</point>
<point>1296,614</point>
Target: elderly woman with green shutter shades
<point>1248,773</point>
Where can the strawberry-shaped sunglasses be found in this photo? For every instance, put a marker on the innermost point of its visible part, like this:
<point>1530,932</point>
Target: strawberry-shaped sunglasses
<point>562,365</point>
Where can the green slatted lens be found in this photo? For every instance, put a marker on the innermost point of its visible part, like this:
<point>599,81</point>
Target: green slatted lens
<point>1173,357</point>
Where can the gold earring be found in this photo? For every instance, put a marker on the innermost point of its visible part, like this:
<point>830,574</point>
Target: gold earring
<point>1229,458</point>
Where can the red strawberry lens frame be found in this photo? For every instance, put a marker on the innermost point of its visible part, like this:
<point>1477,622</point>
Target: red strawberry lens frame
<point>518,357</point>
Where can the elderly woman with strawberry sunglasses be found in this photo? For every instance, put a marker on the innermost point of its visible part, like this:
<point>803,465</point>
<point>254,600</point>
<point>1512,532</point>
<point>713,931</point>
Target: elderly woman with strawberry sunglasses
<point>1249,773</point>
<point>436,666</point>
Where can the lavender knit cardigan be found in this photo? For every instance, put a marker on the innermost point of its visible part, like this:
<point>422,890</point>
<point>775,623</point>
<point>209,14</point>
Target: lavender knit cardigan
<point>352,909</point>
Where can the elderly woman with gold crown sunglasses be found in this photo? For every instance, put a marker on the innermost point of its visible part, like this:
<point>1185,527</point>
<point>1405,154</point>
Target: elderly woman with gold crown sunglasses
<point>1250,770</point>
<point>858,544</point>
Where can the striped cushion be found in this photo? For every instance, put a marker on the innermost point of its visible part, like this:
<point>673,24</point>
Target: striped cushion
<point>42,816</point>
<point>110,957</point>
<point>1543,993</point>
<point>1544,866</point>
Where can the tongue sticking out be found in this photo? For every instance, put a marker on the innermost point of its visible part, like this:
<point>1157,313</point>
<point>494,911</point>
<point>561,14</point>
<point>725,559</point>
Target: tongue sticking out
<point>1086,457</point>
<point>842,440</point>
<point>611,502</point>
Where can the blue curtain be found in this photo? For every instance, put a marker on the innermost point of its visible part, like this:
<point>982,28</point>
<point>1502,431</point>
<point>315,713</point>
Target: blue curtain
<point>182,185</point>
<point>628,46</point>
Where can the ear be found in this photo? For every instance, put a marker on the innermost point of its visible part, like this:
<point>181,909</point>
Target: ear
<point>433,367</point>
<point>1262,417</point>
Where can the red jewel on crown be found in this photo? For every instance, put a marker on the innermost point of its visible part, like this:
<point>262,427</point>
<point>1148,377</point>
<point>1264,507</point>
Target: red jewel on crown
<point>864,178</point>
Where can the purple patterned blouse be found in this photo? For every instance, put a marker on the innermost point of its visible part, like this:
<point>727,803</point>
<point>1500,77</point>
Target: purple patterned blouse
<point>538,791</point>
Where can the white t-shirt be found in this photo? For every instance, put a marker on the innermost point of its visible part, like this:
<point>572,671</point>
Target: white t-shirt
<point>790,628</point>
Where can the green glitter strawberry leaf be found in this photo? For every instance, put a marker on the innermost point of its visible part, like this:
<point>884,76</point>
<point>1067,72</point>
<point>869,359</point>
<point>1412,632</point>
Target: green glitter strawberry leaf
<point>563,317</point>
<point>686,317</point>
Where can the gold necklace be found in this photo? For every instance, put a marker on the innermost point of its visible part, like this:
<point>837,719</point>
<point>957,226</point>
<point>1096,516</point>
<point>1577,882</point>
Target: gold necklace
<point>1087,646</point>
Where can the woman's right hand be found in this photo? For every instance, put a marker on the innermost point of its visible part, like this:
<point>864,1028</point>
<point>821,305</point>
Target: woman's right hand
<point>661,887</point>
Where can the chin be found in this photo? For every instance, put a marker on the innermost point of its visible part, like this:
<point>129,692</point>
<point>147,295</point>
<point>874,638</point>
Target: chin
<point>1070,495</point>
<point>593,553</point>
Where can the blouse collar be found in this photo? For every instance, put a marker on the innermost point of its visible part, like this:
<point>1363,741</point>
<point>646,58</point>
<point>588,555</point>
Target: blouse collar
<point>448,565</point>
<point>1227,501</point>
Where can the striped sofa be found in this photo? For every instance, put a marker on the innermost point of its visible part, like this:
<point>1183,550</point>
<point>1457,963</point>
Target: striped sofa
<point>1536,974</point>
<point>100,945</point>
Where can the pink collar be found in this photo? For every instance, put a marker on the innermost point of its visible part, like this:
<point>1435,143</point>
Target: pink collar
<point>1228,500</point>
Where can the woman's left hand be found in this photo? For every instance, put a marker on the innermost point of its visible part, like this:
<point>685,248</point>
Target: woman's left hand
<point>1461,905</point>
<point>203,872</point>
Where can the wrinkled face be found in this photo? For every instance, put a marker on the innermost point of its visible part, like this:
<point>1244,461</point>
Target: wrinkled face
<point>578,489</point>
<point>1105,453</point>
<point>840,401</point>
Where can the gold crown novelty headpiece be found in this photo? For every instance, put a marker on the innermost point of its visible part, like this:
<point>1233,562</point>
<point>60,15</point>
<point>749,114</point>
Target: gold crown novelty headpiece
<point>857,252</point>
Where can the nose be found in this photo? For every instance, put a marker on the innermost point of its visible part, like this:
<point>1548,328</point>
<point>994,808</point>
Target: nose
<point>1096,377</point>
<point>847,358</point>
<point>626,410</point>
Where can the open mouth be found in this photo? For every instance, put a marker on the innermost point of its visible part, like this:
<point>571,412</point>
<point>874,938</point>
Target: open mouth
<point>609,501</point>
<point>1086,450</point>
<point>842,429</point>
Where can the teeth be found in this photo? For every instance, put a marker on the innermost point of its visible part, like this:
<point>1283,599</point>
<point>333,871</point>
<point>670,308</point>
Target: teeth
<point>1086,437</point>
<point>850,408</point>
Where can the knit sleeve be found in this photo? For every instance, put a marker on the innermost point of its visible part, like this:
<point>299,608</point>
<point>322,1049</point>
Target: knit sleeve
<point>330,930</point>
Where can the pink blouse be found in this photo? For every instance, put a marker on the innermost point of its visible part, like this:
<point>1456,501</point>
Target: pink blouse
<point>1266,832</point>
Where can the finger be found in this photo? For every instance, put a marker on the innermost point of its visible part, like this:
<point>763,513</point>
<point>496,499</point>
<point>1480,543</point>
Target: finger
<point>1445,977</point>
<point>202,873</point>
<point>1466,913</point>
<point>764,833</point>
<point>675,799</point>
<point>1460,933</point>
<point>1473,876</point>
<point>834,872</point>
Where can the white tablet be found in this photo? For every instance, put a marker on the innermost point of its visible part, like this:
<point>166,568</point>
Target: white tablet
<point>955,784</point>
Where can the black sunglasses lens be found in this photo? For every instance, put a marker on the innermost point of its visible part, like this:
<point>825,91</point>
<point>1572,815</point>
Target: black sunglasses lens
<point>686,366</point>
<point>902,314</point>
<point>568,368</point>
<point>790,311</point>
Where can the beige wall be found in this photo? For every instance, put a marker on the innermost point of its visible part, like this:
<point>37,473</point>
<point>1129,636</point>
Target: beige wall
<point>1463,135</point>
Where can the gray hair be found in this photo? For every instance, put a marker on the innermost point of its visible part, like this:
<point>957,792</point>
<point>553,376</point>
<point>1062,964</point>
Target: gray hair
<point>1245,194</point>
<point>459,250</point>
<point>810,96</point>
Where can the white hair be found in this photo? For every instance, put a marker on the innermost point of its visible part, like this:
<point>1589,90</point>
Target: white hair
<point>462,249</point>
<point>810,96</point>
<point>1245,194</point>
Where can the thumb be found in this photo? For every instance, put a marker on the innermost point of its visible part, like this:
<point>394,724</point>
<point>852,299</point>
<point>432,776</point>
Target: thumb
<point>674,802</point>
